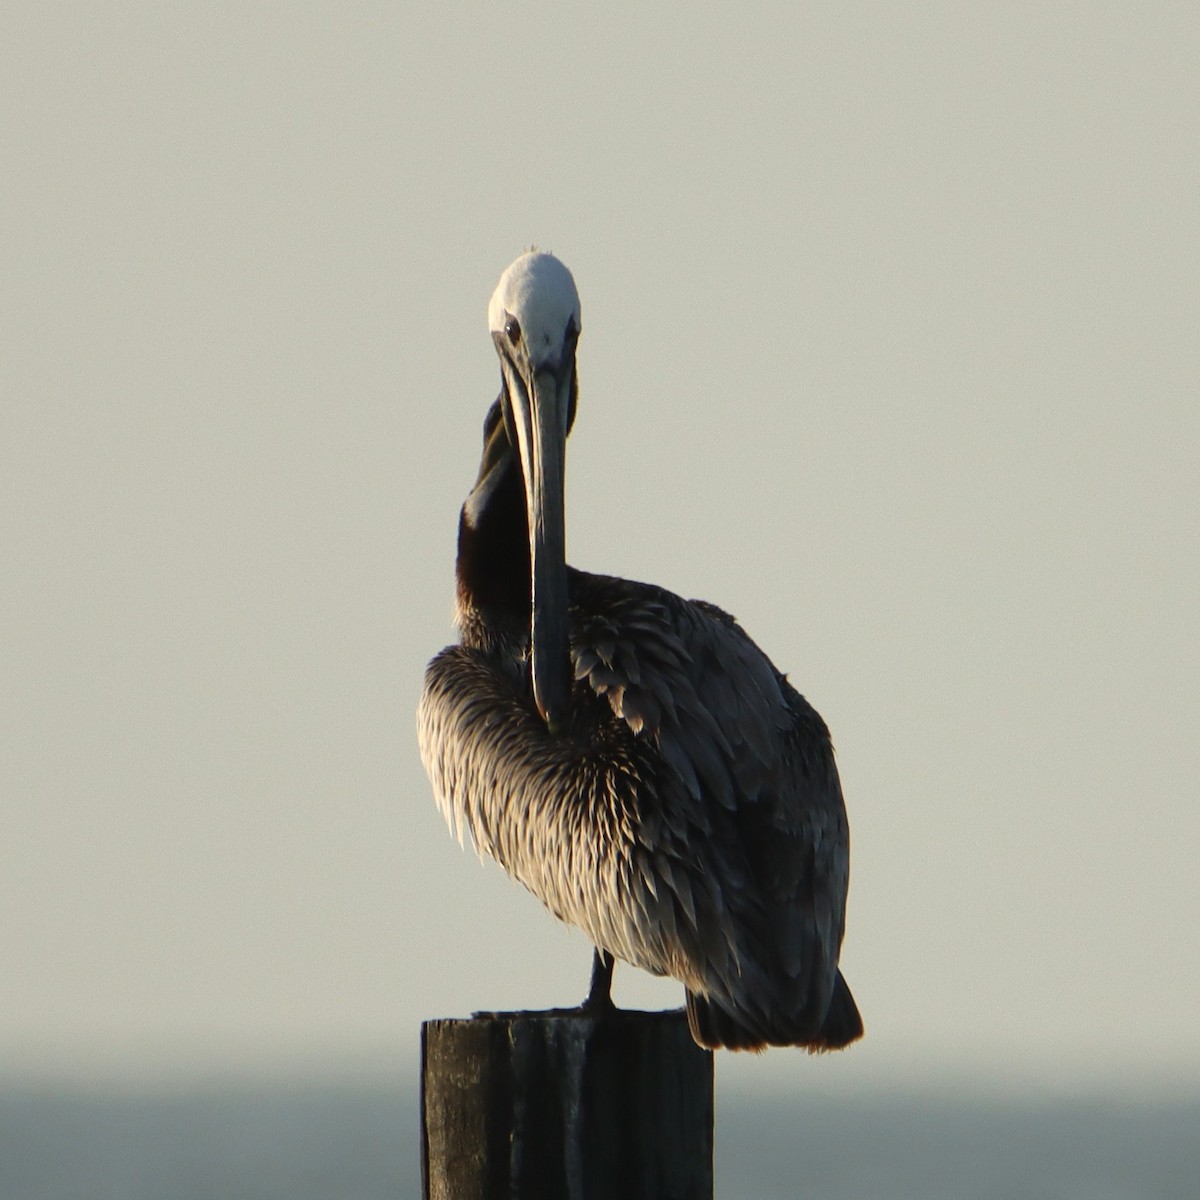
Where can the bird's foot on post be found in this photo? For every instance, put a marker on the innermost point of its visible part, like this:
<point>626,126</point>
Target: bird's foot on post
<point>599,997</point>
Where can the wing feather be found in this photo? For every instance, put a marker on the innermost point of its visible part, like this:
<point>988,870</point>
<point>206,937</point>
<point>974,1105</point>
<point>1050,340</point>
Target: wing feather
<point>752,847</point>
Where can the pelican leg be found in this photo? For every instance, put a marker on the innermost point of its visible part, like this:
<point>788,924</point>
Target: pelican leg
<point>599,997</point>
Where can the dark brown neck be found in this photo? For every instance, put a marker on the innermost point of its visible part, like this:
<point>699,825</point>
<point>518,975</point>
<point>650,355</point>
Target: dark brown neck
<point>493,539</point>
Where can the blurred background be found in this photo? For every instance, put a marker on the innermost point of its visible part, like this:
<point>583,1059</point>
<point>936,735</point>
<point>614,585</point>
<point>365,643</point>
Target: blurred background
<point>890,348</point>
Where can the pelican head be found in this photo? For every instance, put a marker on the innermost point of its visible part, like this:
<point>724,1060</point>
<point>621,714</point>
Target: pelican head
<point>535,321</point>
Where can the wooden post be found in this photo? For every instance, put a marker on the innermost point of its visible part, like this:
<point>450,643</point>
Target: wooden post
<point>563,1106</point>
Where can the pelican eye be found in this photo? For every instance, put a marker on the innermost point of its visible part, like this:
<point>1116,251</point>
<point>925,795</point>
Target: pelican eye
<point>512,331</point>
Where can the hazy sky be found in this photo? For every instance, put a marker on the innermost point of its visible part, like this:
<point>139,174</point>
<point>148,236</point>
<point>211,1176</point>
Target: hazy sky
<point>890,348</point>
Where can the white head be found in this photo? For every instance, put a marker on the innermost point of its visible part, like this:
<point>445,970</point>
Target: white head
<point>534,320</point>
<point>536,303</point>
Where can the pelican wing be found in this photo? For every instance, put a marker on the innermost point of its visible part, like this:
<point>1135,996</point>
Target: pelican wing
<point>746,825</point>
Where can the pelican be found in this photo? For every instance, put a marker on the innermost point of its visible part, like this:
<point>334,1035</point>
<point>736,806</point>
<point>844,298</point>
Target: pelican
<point>633,758</point>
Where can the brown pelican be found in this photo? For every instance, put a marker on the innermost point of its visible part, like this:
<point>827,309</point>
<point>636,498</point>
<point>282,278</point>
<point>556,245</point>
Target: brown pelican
<point>631,757</point>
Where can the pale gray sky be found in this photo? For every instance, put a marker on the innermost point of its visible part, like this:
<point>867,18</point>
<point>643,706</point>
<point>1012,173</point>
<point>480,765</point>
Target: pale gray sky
<point>890,347</point>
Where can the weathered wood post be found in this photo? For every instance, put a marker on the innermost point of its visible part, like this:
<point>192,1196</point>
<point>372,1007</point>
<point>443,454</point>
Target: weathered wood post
<point>565,1106</point>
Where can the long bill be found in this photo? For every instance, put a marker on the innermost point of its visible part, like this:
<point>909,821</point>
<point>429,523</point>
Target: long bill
<point>539,413</point>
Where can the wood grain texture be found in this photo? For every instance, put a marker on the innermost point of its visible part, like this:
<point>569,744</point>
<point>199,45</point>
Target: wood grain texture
<point>562,1105</point>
